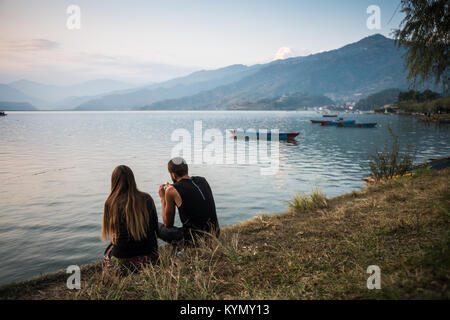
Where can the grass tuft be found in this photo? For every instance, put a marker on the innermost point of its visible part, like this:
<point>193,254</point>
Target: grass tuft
<point>308,202</point>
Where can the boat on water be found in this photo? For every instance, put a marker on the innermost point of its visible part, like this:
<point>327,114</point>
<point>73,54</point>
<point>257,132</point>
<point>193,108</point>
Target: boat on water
<point>263,135</point>
<point>336,122</point>
<point>330,115</point>
<point>2,114</point>
<point>332,122</point>
<point>356,125</point>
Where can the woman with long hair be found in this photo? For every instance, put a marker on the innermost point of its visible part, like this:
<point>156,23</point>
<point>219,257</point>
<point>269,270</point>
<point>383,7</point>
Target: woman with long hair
<point>130,221</point>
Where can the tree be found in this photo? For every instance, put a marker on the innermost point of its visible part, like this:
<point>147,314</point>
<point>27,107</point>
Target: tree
<point>427,95</point>
<point>418,96</point>
<point>408,95</point>
<point>425,33</point>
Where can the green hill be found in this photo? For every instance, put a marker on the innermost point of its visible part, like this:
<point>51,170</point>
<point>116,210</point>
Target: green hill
<point>379,99</point>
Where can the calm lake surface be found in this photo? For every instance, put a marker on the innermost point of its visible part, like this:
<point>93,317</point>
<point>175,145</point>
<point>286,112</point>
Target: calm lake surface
<point>55,170</point>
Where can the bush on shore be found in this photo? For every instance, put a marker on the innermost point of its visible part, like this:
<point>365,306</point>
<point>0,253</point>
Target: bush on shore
<point>391,162</point>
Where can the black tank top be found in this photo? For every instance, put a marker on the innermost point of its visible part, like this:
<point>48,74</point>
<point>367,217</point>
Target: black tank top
<point>197,210</point>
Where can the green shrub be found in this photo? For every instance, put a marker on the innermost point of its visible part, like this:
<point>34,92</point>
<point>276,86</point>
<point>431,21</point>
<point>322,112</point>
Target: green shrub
<point>391,162</point>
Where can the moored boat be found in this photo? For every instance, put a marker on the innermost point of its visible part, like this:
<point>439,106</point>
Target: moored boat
<point>330,115</point>
<point>263,135</point>
<point>2,114</point>
<point>333,121</point>
<point>336,122</point>
<point>356,125</point>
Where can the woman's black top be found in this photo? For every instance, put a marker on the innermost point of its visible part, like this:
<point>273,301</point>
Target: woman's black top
<point>197,210</point>
<point>126,247</point>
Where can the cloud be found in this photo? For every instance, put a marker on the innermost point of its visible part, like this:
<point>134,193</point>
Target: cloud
<point>287,52</point>
<point>47,61</point>
<point>29,45</point>
<point>131,65</point>
<point>283,53</point>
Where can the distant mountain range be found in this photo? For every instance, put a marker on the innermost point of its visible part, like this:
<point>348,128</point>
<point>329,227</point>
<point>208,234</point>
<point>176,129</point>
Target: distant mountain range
<point>58,97</point>
<point>194,83</point>
<point>9,94</point>
<point>16,106</point>
<point>350,73</point>
<point>355,70</point>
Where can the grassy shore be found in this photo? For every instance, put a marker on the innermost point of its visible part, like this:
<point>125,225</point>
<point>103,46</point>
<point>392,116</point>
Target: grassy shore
<point>319,249</point>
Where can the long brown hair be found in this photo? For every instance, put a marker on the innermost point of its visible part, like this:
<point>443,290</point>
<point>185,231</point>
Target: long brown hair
<point>125,201</point>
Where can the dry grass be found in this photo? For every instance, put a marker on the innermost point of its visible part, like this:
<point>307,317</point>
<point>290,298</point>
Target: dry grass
<point>319,249</point>
<point>308,202</point>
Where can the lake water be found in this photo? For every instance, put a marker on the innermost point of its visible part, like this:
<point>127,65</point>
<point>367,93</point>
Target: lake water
<point>55,170</point>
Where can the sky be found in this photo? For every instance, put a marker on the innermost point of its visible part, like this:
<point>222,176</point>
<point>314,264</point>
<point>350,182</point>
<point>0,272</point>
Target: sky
<point>143,41</point>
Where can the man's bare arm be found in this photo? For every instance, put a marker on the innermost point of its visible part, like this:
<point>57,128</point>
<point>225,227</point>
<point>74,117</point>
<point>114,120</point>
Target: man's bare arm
<point>168,205</point>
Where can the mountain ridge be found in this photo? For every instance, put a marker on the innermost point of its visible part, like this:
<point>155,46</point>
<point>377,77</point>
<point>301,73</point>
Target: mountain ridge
<point>369,65</point>
<point>349,73</point>
<point>49,95</point>
<point>194,83</point>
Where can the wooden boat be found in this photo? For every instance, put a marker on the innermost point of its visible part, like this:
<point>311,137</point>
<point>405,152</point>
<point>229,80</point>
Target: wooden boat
<point>336,122</point>
<point>320,121</point>
<point>356,125</point>
<point>266,135</point>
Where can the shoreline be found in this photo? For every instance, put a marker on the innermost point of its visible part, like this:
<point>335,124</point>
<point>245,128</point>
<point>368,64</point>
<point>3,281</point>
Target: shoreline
<point>95,264</point>
<point>402,225</point>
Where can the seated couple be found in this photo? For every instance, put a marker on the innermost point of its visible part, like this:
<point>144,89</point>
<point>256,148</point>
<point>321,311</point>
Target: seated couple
<point>130,219</point>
